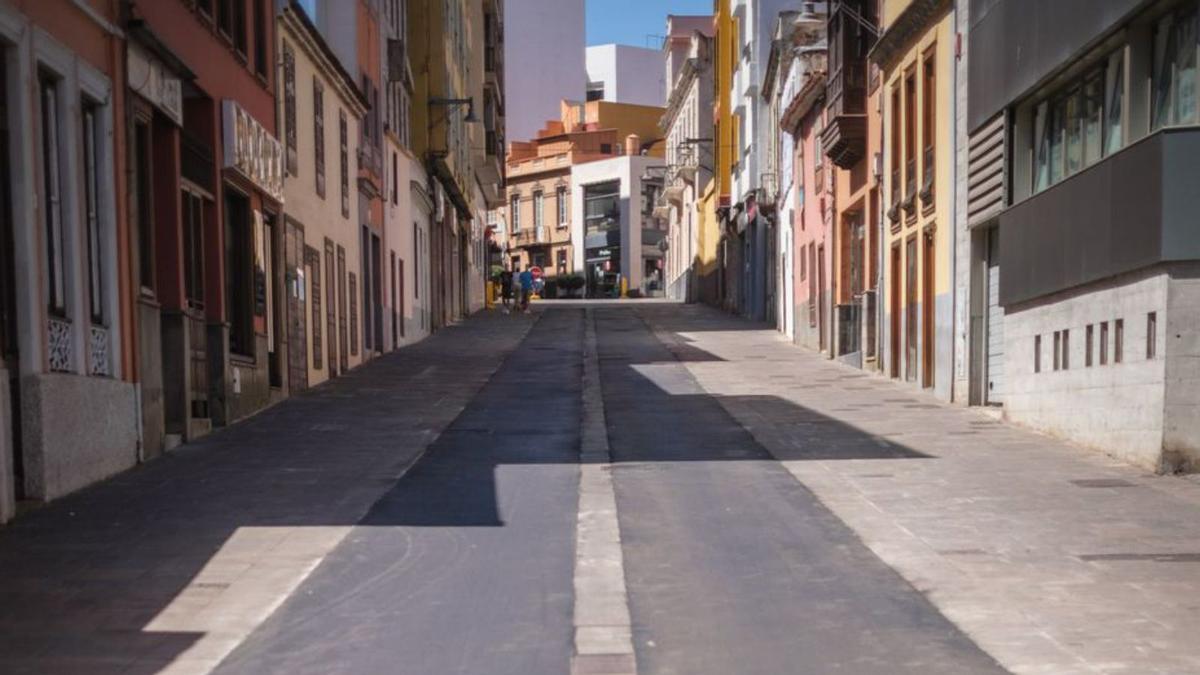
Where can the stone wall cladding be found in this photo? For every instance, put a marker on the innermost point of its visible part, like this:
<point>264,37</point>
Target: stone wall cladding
<point>75,431</point>
<point>1117,407</point>
<point>1179,343</point>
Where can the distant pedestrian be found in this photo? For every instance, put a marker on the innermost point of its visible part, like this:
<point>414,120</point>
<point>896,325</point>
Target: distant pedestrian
<point>526,278</point>
<point>506,287</point>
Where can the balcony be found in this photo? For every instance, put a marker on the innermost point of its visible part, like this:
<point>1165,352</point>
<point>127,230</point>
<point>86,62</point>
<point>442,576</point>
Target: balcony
<point>529,237</point>
<point>844,138</point>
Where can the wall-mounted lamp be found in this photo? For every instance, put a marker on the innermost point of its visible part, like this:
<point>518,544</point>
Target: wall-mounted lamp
<point>456,102</point>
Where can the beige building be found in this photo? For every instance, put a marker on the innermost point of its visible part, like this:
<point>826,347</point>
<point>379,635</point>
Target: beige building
<point>319,112</point>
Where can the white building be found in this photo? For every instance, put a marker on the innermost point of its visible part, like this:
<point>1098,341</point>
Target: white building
<point>625,74</point>
<point>688,128</point>
<point>554,63</point>
<point>755,20</point>
<point>611,205</point>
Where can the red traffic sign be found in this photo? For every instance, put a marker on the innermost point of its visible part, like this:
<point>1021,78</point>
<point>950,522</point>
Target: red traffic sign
<point>536,272</point>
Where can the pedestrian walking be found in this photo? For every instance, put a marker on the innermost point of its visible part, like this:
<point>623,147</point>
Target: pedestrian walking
<point>526,279</point>
<point>506,288</point>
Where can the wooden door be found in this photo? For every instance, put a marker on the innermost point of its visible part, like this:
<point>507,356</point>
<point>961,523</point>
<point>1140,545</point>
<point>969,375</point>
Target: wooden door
<point>297,306</point>
<point>895,309</point>
<point>910,309</point>
<point>927,311</point>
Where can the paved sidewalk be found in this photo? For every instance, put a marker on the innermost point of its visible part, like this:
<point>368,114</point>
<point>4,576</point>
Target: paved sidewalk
<point>1054,559</point>
<point>168,567</point>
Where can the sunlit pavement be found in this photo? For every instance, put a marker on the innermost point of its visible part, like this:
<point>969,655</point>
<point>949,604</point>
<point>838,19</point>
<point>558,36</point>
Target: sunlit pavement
<point>778,513</point>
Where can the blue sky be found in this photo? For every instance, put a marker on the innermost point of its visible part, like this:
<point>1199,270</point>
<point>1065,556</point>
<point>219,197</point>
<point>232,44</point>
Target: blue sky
<point>630,22</point>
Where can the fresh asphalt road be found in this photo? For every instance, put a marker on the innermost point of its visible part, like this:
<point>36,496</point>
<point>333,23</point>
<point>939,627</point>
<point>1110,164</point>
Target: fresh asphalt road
<point>248,551</point>
<point>465,566</point>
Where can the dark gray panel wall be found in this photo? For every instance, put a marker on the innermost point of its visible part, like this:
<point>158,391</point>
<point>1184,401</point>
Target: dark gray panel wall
<point>1102,222</point>
<point>1014,44</point>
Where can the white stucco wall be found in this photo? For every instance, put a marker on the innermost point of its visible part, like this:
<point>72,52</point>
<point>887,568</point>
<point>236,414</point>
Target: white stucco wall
<point>630,74</point>
<point>544,60</point>
<point>628,170</point>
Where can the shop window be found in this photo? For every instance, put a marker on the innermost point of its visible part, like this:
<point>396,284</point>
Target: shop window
<point>239,273</point>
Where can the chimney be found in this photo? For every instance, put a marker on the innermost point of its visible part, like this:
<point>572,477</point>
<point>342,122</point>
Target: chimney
<point>633,144</point>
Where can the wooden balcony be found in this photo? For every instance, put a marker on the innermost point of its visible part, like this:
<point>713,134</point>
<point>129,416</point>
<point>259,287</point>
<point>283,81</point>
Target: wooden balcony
<point>844,139</point>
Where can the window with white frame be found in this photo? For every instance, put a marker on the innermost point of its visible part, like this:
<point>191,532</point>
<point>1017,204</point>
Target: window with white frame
<point>514,212</point>
<point>1174,92</point>
<point>91,211</point>
<point>561,197</point>
<point>538,205</point>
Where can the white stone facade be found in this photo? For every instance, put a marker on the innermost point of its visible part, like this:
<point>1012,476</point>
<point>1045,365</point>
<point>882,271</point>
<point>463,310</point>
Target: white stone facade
<point>632,75</point>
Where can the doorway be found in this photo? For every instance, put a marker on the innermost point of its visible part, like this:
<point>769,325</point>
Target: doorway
<point>894,310</point>
<point>910,310</point>
<point>927,310</point>
<point>9,355</point>
<point>297,306</point>
<point>821,298</point>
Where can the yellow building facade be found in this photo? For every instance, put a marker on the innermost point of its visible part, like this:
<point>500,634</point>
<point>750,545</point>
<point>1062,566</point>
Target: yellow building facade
<point>916,55</point>
<point>715,202</point>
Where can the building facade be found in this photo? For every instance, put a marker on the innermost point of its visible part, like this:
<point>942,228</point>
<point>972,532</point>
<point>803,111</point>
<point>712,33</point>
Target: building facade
<point>1082,294</point>
<point>70,398</point>
<point>558,57</point>
<point>321,209</point>
<point>687,126</point>
<point>625,74</point>
<point>797,93</point>
<point>612,215</point>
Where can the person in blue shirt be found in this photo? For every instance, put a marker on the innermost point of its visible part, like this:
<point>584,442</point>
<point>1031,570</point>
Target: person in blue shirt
<point>526,278</point>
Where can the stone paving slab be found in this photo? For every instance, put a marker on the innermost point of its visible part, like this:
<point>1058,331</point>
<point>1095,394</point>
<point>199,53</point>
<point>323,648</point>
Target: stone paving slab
<point>168,567</point>
<point>1053,558</point>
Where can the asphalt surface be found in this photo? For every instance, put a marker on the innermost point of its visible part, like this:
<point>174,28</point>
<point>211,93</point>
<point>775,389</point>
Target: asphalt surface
<point>466,565</point>
<point>731,565</point>
<point>461,560</point>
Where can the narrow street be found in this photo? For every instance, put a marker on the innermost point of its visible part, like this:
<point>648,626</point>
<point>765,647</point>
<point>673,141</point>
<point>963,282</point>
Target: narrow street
<point>421,515</point>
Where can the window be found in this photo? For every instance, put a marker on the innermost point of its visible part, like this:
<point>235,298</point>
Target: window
<point>1057,349</point>
<point>1174,76</point>
<point>332,307</point>
<point>561,197</point>
<point>91,212</point>
<point>344,161</point>
<point>895,152</point>
<point>1066,350</point>
<point>260,39</point>
<point>1151,335</point>
<point>1104,343</point>
<point>239,280</point>
<point>514,212</point>
<point>1037,353</point>
<point>910,135</point>
<point>193,248</point>
<point>1080,123</point>
<point>1089,336</point>
<point>416,261</point>
<point>289,108</point>
<point>561,261</point>
<point>601,207</point>
<point>1118,341</point>
<point>319,136</point>
<point>52,195</point>
<point>231,22</point>
<point>395,178</point>
<point>928,132</point>
<point>538,208</point>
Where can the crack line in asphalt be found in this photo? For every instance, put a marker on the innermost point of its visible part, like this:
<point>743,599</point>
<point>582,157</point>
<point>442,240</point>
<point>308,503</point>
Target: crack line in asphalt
<point>603,630</point>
